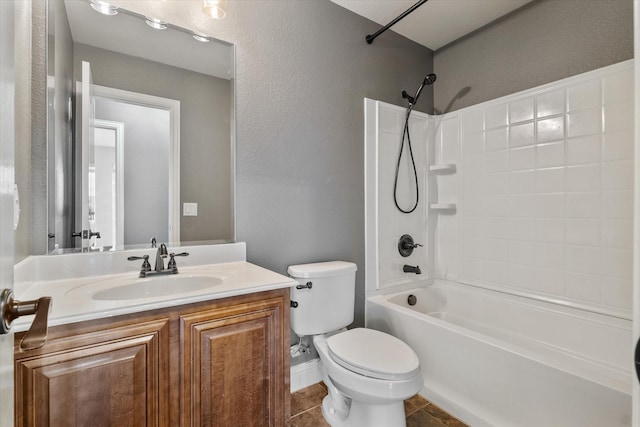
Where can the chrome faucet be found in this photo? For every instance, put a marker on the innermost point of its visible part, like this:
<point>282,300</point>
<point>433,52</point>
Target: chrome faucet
<point>160,254</point>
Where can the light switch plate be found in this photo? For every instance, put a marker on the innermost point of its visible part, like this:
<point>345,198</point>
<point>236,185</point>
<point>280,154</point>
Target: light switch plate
<point>190,209</point>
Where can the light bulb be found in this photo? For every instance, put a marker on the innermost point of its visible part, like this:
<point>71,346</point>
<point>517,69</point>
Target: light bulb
<point>104,7</point>
<point>215,8</point>
<point>201,38</point>
<point>156,23</point>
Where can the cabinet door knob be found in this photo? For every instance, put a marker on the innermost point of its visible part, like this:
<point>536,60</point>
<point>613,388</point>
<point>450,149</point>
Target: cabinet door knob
<point>11,309</point>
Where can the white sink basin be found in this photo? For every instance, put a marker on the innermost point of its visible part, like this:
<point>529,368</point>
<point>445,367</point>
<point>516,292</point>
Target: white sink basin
<point>159,286</point>
<point>120,289</point>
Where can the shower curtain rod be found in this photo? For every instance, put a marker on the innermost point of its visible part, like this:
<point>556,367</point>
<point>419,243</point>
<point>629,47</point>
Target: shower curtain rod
<point>371,37</point>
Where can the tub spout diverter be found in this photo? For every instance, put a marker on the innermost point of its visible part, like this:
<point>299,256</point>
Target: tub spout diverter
<point>411,269</point>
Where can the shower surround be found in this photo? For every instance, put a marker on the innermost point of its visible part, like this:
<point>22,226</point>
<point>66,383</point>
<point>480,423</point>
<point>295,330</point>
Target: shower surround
<point>528,196</point>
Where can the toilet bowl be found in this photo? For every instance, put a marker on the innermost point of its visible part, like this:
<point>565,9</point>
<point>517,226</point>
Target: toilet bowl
<point>372,382</point>
<point>368,373</point>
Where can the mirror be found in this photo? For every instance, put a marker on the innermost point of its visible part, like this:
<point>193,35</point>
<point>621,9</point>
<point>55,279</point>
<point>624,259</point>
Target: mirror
<point>140,131</point>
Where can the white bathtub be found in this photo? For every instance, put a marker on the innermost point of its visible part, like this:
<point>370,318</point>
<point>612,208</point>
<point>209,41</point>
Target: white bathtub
<point>494,359</point>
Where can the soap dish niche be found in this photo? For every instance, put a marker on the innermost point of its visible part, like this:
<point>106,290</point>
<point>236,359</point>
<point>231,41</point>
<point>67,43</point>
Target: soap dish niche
<point>443,169</point>
<point>445,207</point>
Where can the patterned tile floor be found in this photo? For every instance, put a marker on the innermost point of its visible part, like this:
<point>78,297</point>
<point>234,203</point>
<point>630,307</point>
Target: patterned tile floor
<point>306,410</point>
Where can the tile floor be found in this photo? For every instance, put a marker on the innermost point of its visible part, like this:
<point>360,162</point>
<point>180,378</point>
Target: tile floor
<point>306,410</point>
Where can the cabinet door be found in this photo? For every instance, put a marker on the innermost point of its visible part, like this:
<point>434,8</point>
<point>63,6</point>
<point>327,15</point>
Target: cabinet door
<point>105,378</point>
<point>236,372</point>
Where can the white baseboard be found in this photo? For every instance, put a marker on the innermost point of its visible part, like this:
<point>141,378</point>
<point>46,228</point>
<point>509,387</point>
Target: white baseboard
<point>305,374</point>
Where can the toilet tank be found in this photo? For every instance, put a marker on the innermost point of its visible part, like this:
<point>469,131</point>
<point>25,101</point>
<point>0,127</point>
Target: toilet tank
<point>325,302</point>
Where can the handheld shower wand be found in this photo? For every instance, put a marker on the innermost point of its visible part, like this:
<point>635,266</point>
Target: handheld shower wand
<point>428,80</point>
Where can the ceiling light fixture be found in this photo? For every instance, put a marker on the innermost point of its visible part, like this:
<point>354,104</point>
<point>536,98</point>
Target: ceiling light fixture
<point>156,23</point>
<point>104,7</point>
<point>201,38</point>
<point>215,9</point>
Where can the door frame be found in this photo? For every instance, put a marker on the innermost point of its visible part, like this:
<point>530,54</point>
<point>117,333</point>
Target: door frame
<point>173,107</point>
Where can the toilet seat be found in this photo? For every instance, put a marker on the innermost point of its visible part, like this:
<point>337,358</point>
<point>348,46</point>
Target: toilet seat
<point>373,354</point>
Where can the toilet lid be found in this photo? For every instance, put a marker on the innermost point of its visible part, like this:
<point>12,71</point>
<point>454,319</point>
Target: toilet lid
<point>373,354</point>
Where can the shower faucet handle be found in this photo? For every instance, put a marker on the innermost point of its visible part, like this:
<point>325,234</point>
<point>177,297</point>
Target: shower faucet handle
<point>406,245</point>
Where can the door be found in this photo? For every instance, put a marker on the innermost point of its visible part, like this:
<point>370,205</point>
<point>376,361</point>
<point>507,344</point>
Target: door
<point>85,160</point>
<point>6,199</point>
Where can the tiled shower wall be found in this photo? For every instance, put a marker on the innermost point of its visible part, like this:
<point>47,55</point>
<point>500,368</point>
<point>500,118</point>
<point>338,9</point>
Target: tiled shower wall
<point>544,191</point>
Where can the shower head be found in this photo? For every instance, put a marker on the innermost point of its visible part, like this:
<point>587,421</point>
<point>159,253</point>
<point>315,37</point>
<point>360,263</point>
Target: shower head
<point>428,80</point>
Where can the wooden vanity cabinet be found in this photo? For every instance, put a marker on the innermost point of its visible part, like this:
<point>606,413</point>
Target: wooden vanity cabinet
<point>218,363</point>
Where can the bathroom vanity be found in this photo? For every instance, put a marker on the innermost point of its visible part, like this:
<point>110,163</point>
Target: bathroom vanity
<point>215,356</point>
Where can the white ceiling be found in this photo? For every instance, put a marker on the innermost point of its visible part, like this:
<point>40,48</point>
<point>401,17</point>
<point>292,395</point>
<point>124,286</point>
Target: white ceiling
<point>437,22</point>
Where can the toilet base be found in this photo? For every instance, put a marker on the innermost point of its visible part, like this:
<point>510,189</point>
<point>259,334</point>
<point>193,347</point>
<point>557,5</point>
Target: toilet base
<point>365,414</point>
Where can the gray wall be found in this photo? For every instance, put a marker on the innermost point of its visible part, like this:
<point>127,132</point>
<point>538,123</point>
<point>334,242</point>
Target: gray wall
<point>31,111</point>
<point>544,41</point>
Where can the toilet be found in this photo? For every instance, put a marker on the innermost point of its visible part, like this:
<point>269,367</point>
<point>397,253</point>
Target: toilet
<point>368,373</point>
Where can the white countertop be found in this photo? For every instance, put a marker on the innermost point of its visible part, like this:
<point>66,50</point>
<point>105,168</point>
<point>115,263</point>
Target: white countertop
<point>72,298</point>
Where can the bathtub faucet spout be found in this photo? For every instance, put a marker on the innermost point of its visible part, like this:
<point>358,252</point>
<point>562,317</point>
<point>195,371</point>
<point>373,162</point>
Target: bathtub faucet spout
<point>411,269</point>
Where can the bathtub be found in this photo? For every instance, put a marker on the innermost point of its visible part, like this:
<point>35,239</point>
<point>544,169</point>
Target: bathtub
<point>494,359</point>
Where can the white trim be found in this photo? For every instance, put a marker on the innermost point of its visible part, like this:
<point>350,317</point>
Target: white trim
<point>173,107</point>
<point>305,374</point>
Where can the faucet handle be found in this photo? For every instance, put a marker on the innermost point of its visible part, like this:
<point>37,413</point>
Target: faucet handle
<point>172,262</point>
<point>145,264</point>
